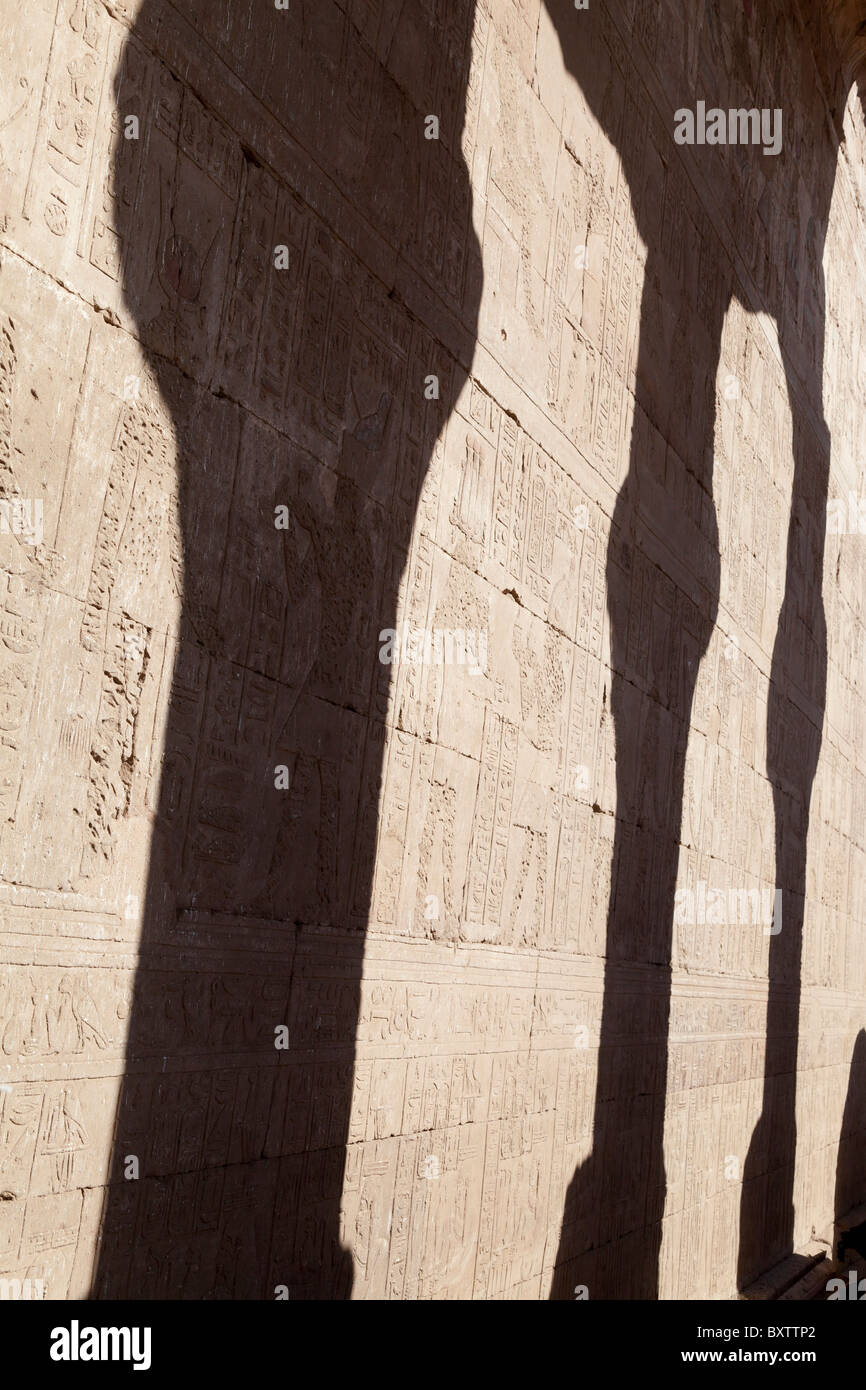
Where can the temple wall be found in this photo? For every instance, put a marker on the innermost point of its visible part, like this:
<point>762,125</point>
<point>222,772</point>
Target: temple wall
<point>306,655</point>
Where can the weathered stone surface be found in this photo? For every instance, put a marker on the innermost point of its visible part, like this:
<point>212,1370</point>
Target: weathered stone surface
<point>503,897</point>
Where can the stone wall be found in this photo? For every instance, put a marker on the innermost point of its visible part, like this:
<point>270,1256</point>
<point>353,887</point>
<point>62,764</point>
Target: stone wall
<point>431,744</point>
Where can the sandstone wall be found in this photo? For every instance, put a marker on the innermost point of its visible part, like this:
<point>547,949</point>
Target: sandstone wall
<point>223,815</point>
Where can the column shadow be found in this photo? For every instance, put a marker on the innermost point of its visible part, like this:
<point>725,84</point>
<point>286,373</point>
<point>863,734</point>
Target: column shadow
<point>765,250</point>
<point>301,387</point>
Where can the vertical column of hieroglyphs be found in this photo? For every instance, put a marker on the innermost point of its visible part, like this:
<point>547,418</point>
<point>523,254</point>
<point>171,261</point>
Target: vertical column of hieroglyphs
<point>79,636</point>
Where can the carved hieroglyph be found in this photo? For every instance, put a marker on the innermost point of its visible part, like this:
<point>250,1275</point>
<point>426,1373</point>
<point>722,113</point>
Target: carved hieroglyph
<point>279,374</point>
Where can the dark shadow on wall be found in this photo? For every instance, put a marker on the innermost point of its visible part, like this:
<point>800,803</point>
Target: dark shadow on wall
<point>301,387</point>
<point>773,210</point>
<point>851,1159</point>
